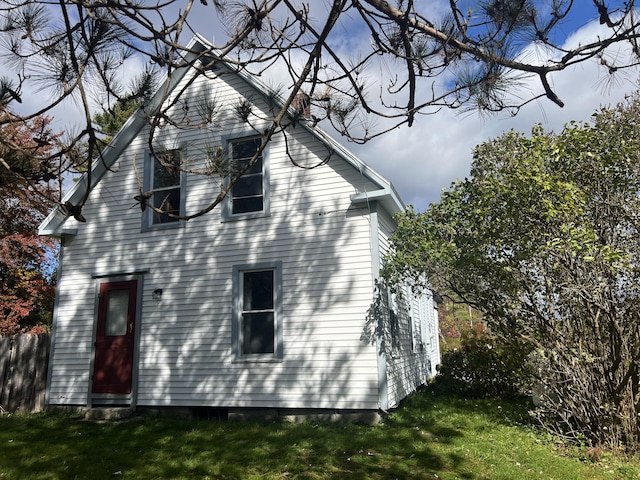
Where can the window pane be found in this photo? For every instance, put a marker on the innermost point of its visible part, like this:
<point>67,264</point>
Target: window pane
<point>256,168</point>
<point>250,186</point>
<point>117,308</point>
<point>246,205</point>
<point>246,148</point>
<point>167,201</point>
<point>166,170</point>
<point>258,291</point>
<point>258,332</point>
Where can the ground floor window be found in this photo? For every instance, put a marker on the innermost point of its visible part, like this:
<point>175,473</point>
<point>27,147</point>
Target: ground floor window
<point>257,312</point>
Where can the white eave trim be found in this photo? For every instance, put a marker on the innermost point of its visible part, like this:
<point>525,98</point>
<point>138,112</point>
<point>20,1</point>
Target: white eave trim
<point>387,197</point>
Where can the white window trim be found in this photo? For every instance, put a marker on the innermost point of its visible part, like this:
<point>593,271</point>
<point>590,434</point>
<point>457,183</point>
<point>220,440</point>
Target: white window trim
<point>226,204</point>
<point>394,325</point>
<point>425,316</point>
<point>236,329</point>
<point>147,215</point>
<point>412,332</point>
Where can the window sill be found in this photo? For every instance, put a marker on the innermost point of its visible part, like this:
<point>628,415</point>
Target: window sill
<point>244,216</point>
<point>257,359</point>
<point>163,226</point>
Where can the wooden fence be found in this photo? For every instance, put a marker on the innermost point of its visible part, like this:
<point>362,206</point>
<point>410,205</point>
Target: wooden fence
<point>23,372</point>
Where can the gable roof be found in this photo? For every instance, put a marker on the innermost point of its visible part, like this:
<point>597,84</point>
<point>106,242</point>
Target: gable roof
<point>54,224</point>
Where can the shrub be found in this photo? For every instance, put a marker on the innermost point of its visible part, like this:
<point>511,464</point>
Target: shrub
<point>485,367</point>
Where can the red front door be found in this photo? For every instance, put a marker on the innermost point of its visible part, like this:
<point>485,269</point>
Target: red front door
<point>113,363</point>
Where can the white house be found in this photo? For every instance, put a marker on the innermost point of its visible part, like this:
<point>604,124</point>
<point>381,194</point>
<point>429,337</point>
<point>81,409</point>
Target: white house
<point>269,301</point>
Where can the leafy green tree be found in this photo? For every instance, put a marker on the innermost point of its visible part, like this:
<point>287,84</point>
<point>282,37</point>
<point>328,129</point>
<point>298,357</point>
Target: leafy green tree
<point>420,57</point>
<point>544,239</point>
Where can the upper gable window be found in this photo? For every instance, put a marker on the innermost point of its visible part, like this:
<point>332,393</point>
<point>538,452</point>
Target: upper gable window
<point>165,180</point>
<point>248,197</point>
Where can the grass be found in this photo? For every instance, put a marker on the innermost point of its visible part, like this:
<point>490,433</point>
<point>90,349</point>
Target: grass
<point>429,437</point>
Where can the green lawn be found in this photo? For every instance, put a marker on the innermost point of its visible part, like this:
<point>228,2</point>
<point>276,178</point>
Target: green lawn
<point>427,438</point>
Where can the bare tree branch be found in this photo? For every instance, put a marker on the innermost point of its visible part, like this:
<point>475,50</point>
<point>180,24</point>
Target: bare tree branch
<point>414,63</point>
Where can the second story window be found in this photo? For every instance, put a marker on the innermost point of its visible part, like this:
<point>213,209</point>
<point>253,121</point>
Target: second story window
<point>164,178</point>
<point>247,195</point>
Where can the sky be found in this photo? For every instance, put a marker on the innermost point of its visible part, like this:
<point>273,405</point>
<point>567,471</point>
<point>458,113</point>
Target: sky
<point>437,150</point>
<point>422,160</point>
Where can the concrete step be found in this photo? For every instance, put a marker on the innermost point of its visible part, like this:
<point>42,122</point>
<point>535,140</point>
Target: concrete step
<point>108,413</point>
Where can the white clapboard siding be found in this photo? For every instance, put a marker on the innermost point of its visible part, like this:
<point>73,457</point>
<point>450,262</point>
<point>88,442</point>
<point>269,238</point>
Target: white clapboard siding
<point>408,361</point>
<point>184,358</point>
<point>74,331</point>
